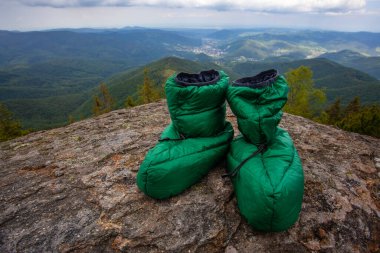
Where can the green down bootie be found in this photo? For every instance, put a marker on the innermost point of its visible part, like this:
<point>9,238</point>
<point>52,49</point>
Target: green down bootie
<point>263,163</point>
<point>196,140</point>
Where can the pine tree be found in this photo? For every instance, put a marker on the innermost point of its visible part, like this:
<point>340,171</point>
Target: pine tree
<point>130,102</point>
<point>353,106</point>
<point>334,113</point>
<point>147,92</point>
<point>96,106</point>
<point>303,98</point>
<point>104,102</point>
<point>9,127</point>
<point>354,118</point>
<point>364,121</point>
<point>71,119</point>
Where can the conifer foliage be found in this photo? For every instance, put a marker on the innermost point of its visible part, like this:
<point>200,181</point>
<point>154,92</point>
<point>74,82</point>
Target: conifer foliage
<point>306,101</point>
<point>354,117</point>
<point>9,127</point>
<point>148,93</point>
<point>130,102</point>
<point>103,102</point>
<point>332,114</point>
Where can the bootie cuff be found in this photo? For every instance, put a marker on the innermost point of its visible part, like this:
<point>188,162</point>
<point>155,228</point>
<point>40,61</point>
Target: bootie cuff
<point>263,79</point>
<point>203,78</point>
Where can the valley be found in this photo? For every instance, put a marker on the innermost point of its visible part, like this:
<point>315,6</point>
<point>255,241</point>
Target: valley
<point>48,76</point>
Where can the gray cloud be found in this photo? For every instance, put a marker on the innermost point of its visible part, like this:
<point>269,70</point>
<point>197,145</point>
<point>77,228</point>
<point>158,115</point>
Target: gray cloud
<point>277,6</point>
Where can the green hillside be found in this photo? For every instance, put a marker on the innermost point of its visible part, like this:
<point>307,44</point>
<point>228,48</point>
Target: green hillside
<point>47,112</point>
<point>46,75</point>
<point>125,83</point>
<point>265,50</point>
<point>54,77</point>
<point>44,95</point>
<point>369,65</point>
<point>285,41</point>
<point>339,81</point>
<point>121,45</point>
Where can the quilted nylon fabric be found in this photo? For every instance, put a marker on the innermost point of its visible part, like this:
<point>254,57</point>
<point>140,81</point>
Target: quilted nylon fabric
<point>197,111</point>
<point>173,166</point>
<point>196,140</point>
<point>269,186</point>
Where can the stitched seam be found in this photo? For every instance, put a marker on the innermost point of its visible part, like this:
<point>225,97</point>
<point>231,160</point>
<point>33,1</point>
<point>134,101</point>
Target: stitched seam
<point>273,202</point>
<point>147,174</point>
<point>290,164</point>
<point>219,145</point>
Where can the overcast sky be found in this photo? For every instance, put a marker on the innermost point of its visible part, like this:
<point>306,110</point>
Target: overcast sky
<point>345,15</point>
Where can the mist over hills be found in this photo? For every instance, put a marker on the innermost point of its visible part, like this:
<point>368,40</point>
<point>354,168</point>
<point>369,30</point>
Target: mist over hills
<point>48,75</point>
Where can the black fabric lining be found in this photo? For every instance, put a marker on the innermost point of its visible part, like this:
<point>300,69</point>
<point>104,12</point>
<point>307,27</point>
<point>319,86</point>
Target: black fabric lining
<point>263,79</point>
<point>203,78</point>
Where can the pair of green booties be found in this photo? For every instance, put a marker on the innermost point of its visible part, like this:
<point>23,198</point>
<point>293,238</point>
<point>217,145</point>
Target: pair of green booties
<point>262,162</point>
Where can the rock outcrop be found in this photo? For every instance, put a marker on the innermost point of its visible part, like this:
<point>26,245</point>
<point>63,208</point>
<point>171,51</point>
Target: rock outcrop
<point>72,189</point>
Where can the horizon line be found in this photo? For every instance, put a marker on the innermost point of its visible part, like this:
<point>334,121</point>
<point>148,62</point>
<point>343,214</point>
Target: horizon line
<point>217,28</point>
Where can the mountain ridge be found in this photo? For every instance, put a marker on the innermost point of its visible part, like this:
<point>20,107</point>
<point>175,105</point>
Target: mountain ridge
<point>352,59</point>
<point>47,77</point>
<point>339,81</point>
<point>37,112</point>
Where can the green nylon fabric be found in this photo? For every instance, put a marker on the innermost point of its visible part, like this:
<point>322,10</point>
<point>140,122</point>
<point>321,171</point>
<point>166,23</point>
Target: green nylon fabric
<point>258,110</point>
<point>269,186</point>
<point>173,166</point>
<point>197,113</point>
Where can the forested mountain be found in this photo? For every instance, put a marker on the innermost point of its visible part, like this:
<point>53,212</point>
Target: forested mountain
<point>367,64</point>
<point>44,94</point>
<point>365,42</point>
<point>47,76</point>
<point>131,47</point>
<point>126,83</point>
<point>338,81</point>
<point>289,44</point>
<point>50,105</point>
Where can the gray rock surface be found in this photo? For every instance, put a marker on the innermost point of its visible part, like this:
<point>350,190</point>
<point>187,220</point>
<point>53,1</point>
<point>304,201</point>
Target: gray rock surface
<point>72,189</point>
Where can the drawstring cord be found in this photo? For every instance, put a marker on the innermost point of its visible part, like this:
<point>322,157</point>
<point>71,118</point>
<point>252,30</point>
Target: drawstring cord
<point>182,137</point>
<point>233,173</point>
